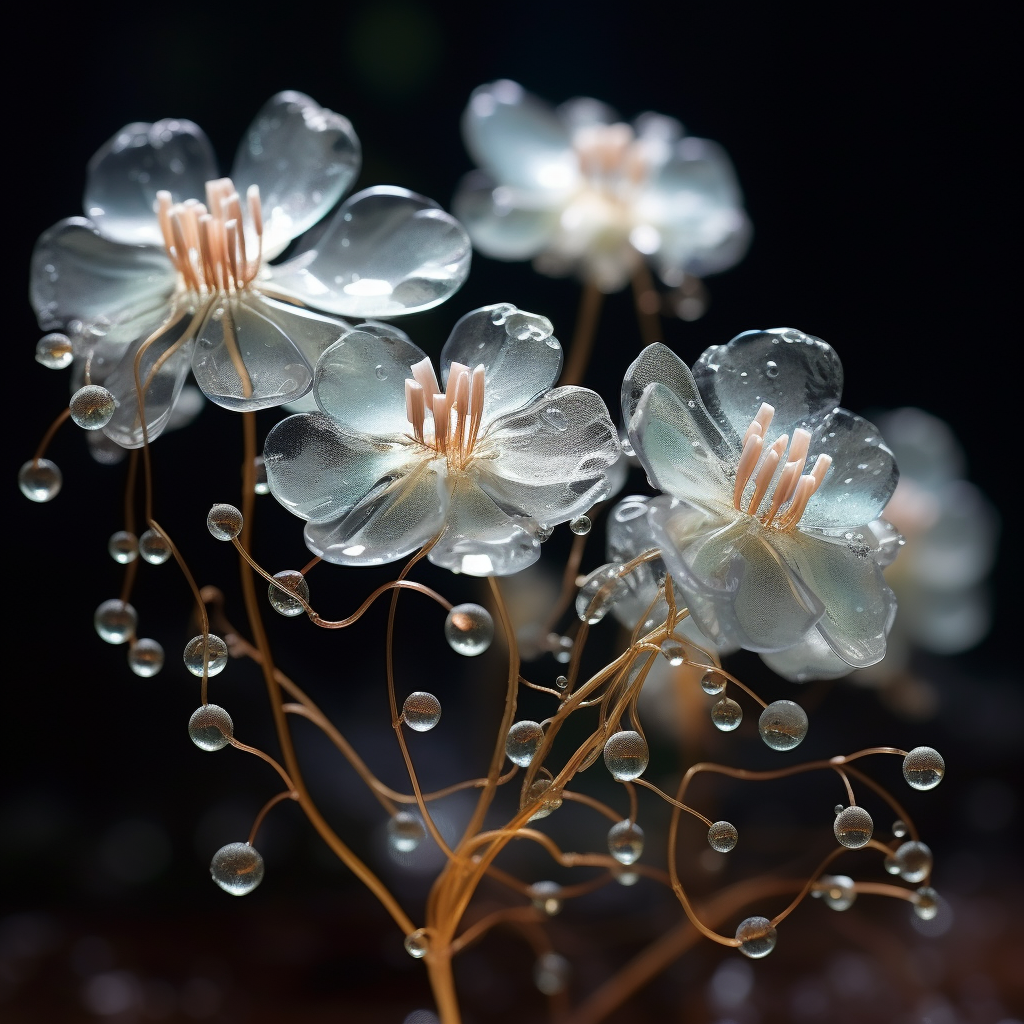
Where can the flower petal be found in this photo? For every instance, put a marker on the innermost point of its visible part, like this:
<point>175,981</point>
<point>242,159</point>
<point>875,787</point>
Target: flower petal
<point>807,661</point>
<point>126,173</point>
<point>518,139</point>
<point>360,380</point>
<point>796,373</point>
<point>553,459</point>
<point>397,517</point>
<point>504,222</point>
<point>480,539</point>
<point>320,473</point>
<point>520,356</point>
<point>387,252</point>
<point>78,274</point>
<point>303,157</point>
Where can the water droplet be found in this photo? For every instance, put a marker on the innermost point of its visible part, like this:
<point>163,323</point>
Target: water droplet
<point>210,727</point>
<point>523,326</point>
<point>547,897</point>
<point>523,741</point>
<point>626,877</point>
<point>554,418</point>
<point>914,860</point>
<point>713,682</point>
<point>783,725</point>
<point>771,369</point>
<point>417,944</point>
<point>923,768</point>
<point>405,832</point>
<point>469,629</point>
<point>926,903</point>
<point>40,480</point>
<point>551,974</point>
<point>145,658</point>
<point>723,837</point>
<point>54,351</point>
<point>380,373</point>
<point>674,651</point>
<point>899,828</point>
<point>92,407</point>
<point>224,522</point>
<point>421,711</point>
<point>599,592</point>
<point>115,621</point>
<point>757,937</point>
<point>123,547</point>
<point>726,714</point>
<point>561,682</point>
<point>213,647</point>
<point>283,601</point>
<point>853,827</point>
<point>237,868</point>
<point>626,755</point>
<point>564,653</point>
<point>154,547</point>
<point>501,312</point>
<point>626,842</point>
<point>891,865</point>
<point>837,891</point>
<point>262,485</point>
<point>539,790</point>
<point>580,526</point>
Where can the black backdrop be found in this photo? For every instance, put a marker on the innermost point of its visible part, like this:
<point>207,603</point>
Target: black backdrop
<point>873,146</point>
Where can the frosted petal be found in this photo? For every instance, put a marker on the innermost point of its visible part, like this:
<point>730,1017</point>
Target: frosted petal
<point>303,157</point>
<point>386,252</point>
<point>245,360</point>
<point>77,274</point>
<point>584,112</point>
<point>360,380</point>
<point>312,333</point>
<point>518,139</point>
<point>554,458</point>
<point>504,222</point>
<point>807,661</point>
<point>125,174</point>
<point>399,515</point>
<point>948,621</point>
<point>319,472</point>
<point>480,539</point>
<point>926,449</point>
<point>796,373</point>
<point>520,355</point>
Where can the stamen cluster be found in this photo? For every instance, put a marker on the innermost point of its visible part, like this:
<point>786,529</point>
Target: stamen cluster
<point>455,414</point>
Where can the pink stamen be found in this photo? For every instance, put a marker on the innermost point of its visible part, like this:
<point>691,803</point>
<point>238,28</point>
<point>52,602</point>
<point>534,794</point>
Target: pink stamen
<point>752,447</point>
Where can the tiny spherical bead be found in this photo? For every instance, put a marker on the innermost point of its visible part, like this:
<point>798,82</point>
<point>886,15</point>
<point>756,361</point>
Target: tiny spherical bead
<point>549,802</point>
<point>154,547</point>
<point>123,547</point>
<point>405,832</point>
<point>923,768</point>
<point>54,351</point>
<point>215,650</point>
<point>580,526</point>
<point>523,741</point>
<point>722,836</point>
<point>417,944</point>
<point>224,522</point>
<point>92,407</point>
<point>421,711</point>
<point>837,891</point>
<point>914,860</point>
<point>283,601</point>
<point>713,682</point>
<point>40,480</point>
<point>551,974</point>
<point>726,714</point>
<point>626,755</point>
<point>145,658</point>
<point>674,651</point>
<point>469,629</point>
<point>757,937</point>
<point>210,727</point>
<point>783,725</point>
<point>626,842</point>
<point>262,485</point>
<point>853,827</point>
<point>115,621</point>
<point>547,897</point>
<point>926,903</point>
<point>237,868</point>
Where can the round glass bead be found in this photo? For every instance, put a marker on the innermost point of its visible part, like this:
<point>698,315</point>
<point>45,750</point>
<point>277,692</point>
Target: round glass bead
<point>899,828</point>
<point>154,547</point>
<point>923,768</point>
<point>523,741</point>
<point>547,897</point>
<point>713,682</point>
<point>626,842</point>
<point>757,937</point>
<point>914,860</point>
<point>551,974</point>
<point>54,351</point>
<point>210,727</point>
<point>599,593</point>
<point>262,485</point>
<point>561,682</point>
<point>214,649</point>
<point>421,711</point>
<point>722,836</point>
<point>92,407</point>
<point>123,547</point>
<point>627,877</point>
<point>417,944</point>
<point>115,621</point>
<point>674,651</point>
<point>581,526</point>
<point>145,658</point>
<point>469,629</point>
<point>891,864</point>
<point>40,480</point>
<point>405,832</point>
<point>726,714</point>
<point>837,891</point>
<point>283,601</point>
<point>783,725</point>
<point>224,522</point>
<point>237,868</point>
<point>539,790</point>
<point>926,903</point>
<point>853,827</point>
<point>626,755</point>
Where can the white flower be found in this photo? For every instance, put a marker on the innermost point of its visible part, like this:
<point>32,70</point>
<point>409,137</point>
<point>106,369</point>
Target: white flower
<point>172,261</point>
<point>577,191</point>
<point>486,465</point>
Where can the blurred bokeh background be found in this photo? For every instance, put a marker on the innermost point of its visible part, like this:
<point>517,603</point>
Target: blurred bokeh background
<point>874,150</point>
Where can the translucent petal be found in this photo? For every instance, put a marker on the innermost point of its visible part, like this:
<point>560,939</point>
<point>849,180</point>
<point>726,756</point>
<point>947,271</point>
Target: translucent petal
<point>480,539</point>
<point>520,356</point>
<point>504,222</point>
<point>926,449</point>
<point>126,173</point>
<point>303,157</point>
<point>807,661</point>
<point>360,380</point>
<point>947,622</point>
<point>798,374</point>
<point>312,333</point>
<point>245,359</point>
<point>736,586</point>
<point>320,472</point>
<point>552,459</point>
<point>77,274</point>
<point>401,514</point>
<point>584,112</point>
<point>518,139</point>
<point>386,252</point>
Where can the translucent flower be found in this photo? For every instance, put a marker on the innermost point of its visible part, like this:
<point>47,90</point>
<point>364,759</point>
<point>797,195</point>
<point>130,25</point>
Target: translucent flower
<point>487,465</point>
<point>578,191</point>
<point>170,267</point>
<point>765,555</point>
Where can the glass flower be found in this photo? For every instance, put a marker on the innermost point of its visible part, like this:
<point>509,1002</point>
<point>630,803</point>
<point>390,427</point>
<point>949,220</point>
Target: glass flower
<point>483,467</point>
<point>170,268</point>
<point>578,191</point>
<point>767,551</point>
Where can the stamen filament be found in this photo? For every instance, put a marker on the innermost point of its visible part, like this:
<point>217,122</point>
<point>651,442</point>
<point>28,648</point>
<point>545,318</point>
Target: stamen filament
<point>764,475</point>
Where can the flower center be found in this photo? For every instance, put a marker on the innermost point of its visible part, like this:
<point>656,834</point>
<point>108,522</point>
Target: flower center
<point>611,157</point>
<point>448,421</point>
<point>206,241</point>
<point>793,486</point>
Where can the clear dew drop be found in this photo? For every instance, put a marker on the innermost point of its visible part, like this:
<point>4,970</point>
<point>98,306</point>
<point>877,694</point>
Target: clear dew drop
<point>40,480</point>
<point>115,621</point>
<point>551,974</point>
<point>563,654</point>
<point>523,742</point>
<point>554,418</point>
<point>726,714</point>
<point>380,373</point>
<point>626,755</point>
<point>926,903</point>
<point>283,599</point>
<point>914,861</point>
<point>626,842</point>
<point>723,837</point>
<point>626,877</point>
<point>210,645</point>
<point>154,547</point>
<point>54,351</point>
<point>237,868</point>
<point>92,407</point>
<point>580,526</point>
<point>757,937</point>
<point>674,651</point>
<point>891,864</point>
<point>540,790</point>
<point>547,897</point>
<point>771,369</point>
<point>561,682</point>
<point>469,629</point>
<point>405,832</point>
<point>145,658</point>
<point>224,522</point>
<point>783,725</point>
<point>123,547</point>
<point>713,682</point>
<point>853,827</point>
<point>838,809</point>
<point>599,593</point>
<point>421,711</point>
<point>899,828</point>
<point>210,727</point>
<point>923,768</point>
<point>417,944</point>
<point>837,891</point>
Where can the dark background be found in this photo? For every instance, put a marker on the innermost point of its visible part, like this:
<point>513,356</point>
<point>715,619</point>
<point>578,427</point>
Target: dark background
<point>873,147</point>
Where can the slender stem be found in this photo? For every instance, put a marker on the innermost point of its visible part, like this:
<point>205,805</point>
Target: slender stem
<point>271,803</point>
<point>591,301</point>
<point>647,303</point>
<point>48,436</point>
